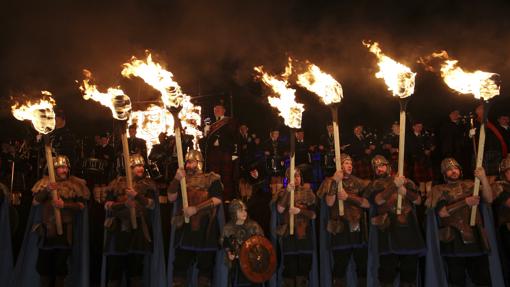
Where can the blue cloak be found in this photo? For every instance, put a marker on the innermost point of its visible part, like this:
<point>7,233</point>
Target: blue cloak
<point>373,257</point>
<point>154,264</point>
<point>5,241</point>
<point>277,279</point>
<point>220,273</point>
<point>326,253</point>
<point>25,273</point>
<point>435,266</point>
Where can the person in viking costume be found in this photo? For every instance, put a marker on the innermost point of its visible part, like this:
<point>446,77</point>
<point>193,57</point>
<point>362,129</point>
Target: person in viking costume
<point>132,252</point>
<point>57,257</point>
<point>196,242</point>
<point>501,206</point>
<point>241,236</point>
<point>344,237</point>
<point>399,238</point>
<point>299,250</point>
<point>464,248</point>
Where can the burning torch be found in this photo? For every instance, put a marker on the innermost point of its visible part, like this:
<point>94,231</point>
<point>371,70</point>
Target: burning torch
<point>173,99</point>
<point>42,116</point>
<point>400,81</point>
<point>120,105</point>
<point>484,86</point>
<point>331,93</point>
<point>291,112</point>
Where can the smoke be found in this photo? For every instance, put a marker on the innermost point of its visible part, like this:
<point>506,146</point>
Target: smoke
<point>212,46</point>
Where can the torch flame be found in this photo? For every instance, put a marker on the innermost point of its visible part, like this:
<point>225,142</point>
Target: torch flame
<point>39,112</point>
<point>482,85</point>
<point>399,78</point>
<point>150,123</point>
<point>157,77</point>
<point>285,101</point>
<point>115,99</point>
<point>171,93</point>
<point>321,83</point>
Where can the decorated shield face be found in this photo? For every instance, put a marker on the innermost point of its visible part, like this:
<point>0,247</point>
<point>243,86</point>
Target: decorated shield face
<point>122,105</point>
<point>44,120</point>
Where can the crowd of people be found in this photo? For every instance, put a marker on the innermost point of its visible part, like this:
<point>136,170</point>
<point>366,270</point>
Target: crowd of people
<point>361,225</point>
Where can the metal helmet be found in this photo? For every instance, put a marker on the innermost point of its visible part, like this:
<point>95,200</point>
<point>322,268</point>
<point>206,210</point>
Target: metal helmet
<point>60,161</point>
<point>379,160</point>
<point>448,163</point>
<point>195,155</point>
<point>234,206</point>
<point>504,165</point>
<point>136,159</point>
<point>344,157</point>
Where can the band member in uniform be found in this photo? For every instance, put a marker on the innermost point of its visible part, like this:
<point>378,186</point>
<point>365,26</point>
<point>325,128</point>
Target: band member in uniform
<point>136,145</point>
<point>390,145</point>
<point>327,149</point>
<point>275,151</point>
<point>463,247</point>
<point>420,147</point>
<point>299,250</point>
<point>63,140</point>
<point>501,207</point>
<point>221,140</point>
<point>127,249</point>
<point>234,234</point>
<point>347,235</point>
<point>361,151</point>
<point>53,251</point>
<point>196,241</point>
<point>303,156</point>
<point>399,237</point>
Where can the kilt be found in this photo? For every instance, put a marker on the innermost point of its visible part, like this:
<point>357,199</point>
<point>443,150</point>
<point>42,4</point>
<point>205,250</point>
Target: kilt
<point>362,169</point>
<point>221,163</point>
<point>422,171</point>
<point>491,161</point>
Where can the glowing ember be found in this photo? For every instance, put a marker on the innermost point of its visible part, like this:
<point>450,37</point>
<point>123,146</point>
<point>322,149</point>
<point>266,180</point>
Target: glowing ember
<point>320,83</point>
<point>285,98</point>
<point>482,85</point>
<point>115,99</point>
<point>399,78</point>
<point>39,112</point>
<point>157,77</point>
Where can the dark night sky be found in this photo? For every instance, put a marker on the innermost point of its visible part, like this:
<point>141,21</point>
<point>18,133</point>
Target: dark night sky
<point>212,46</point>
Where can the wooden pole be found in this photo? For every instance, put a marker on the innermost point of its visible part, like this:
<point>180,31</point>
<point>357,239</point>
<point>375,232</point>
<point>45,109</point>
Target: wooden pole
<point>479,162</point>
<point>180,162</point>
<point>129,176</point>
<point>51,175</point>
<point>292,179</point>
<point>401,147</point>
<point>338,163</point>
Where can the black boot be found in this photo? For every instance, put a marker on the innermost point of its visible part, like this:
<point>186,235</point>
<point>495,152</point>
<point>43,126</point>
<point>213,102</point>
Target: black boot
<point>114,283</point>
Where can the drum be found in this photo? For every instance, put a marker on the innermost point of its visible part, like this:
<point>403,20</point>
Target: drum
<point>153,171</point>
<point>94,165</point>
<point>275,165</point>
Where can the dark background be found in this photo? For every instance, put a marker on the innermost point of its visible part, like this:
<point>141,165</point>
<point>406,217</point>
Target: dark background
<point>212,47</point>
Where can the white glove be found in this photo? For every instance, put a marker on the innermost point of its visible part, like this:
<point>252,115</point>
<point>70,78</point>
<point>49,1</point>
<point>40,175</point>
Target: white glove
<point>234,157</point>
<point>472,132</point>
